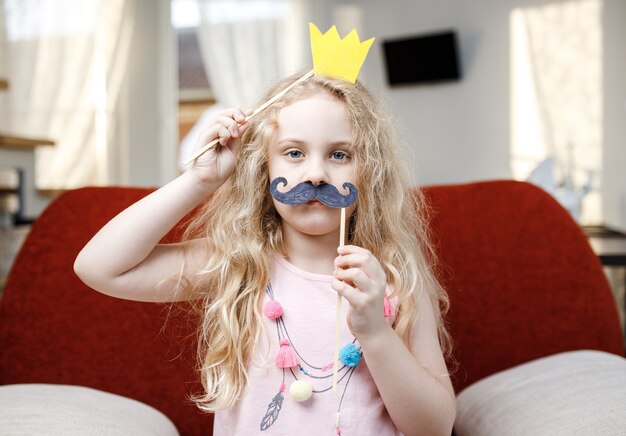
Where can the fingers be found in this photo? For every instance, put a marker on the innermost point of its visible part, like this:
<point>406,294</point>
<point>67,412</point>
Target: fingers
<point>363,296</point>
<point>354,277</point>
<point>240,123</point>
<point>361,280</point>
<point>350,293</point>
<point>228,124</point>
<point>359,277</point>
<point>359,264</point>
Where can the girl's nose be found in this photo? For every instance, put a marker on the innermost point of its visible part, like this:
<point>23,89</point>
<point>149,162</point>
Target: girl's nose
<point>316,173</point>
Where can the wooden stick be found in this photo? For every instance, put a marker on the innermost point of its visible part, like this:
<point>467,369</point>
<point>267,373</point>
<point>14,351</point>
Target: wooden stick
<point>342,227</point>
<point>264,106</point>
<point>342,236</point>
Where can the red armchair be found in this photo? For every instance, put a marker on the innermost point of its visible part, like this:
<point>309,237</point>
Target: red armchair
<point>522,279</point>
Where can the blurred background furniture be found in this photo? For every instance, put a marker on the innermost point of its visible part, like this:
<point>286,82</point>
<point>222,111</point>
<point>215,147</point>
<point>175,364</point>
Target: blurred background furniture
<point>610,247</point>
<point>522,279</point>
<point>10,192</point>
<point>13,228</point>
<point>17,187</point>
<point>17,184</point>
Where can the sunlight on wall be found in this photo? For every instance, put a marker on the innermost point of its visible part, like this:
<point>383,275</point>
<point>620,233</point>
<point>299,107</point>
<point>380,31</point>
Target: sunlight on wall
<point>185,14</point>
<point>556,94</point>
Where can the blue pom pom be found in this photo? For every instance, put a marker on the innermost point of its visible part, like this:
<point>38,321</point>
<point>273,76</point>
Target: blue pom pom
<point>350,355</point>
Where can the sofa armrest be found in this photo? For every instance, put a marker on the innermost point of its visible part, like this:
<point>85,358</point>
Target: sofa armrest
<point>46,409</point>
<point>578,392</point>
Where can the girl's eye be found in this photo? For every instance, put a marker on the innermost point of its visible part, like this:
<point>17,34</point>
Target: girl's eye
<point>295,154</point>
<point>340,155</point>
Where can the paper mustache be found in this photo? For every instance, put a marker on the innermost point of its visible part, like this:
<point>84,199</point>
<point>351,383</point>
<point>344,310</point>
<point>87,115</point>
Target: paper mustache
<point>305,191</point>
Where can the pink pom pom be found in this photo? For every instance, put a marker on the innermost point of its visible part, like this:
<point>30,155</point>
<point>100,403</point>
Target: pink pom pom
<point>272,309</point>
<point>286,357</point>
<point>388,308</point>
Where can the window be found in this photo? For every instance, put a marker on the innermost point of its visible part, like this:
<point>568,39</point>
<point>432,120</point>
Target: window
<point>556,96</point>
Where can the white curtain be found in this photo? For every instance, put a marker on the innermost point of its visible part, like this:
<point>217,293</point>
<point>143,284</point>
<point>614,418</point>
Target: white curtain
<point>248,44</point>
<point>4,114</point>
<point>557,95</point>
<point>67,58</point>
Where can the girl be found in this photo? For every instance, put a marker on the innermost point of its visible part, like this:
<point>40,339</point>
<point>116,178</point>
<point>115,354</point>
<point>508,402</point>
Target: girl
<point>266,274</point>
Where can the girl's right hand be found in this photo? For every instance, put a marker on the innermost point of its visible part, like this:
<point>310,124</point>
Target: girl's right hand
<point>217,164</point>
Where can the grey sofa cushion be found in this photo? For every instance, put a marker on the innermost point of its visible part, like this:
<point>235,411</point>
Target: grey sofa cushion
<point>45,409</point>
<point>572,393</point>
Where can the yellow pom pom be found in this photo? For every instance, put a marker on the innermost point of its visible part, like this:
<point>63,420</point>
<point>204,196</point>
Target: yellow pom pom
<point>300,390</point>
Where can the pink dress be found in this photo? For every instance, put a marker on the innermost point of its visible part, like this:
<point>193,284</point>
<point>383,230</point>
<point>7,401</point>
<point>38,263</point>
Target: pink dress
<point>309,304</point>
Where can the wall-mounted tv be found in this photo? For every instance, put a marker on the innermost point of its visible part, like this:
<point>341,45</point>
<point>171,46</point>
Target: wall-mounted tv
<point>422,59</point>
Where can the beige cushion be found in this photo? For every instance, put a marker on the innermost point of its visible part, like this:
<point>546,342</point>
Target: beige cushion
<point>573,393</point>
<point>44,409</point>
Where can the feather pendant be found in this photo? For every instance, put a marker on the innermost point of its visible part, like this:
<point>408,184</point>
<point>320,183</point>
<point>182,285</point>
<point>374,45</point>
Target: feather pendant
<point>273,409</point>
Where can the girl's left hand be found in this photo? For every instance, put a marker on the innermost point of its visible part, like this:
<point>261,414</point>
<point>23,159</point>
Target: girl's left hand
<point>360,278</point>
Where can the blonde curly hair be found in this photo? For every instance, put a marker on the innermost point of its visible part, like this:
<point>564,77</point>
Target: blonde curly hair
<point>241,230</point>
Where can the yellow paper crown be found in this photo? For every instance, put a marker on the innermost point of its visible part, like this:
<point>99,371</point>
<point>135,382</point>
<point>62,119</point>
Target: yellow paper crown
<point>336,57</point>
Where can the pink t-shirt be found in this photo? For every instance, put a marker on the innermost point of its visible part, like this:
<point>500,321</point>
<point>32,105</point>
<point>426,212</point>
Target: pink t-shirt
<point>309,311</point>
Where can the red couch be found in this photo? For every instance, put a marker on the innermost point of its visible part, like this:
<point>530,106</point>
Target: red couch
<point>522,279</point>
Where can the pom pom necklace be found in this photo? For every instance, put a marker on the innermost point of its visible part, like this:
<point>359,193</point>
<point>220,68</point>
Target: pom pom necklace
<point>289,358</point>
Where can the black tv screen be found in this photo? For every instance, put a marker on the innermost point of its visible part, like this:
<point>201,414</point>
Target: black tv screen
<point>423,58</point>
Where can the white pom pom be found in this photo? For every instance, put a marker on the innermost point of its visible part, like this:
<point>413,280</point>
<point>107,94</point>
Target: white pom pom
<point>301,390</point>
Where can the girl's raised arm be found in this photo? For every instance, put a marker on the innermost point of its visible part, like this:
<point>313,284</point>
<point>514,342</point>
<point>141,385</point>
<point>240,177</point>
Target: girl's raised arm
<point>125,260</point>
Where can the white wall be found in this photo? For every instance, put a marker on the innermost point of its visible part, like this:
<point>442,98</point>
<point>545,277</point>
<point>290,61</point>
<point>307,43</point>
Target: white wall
<point>460,131</point>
